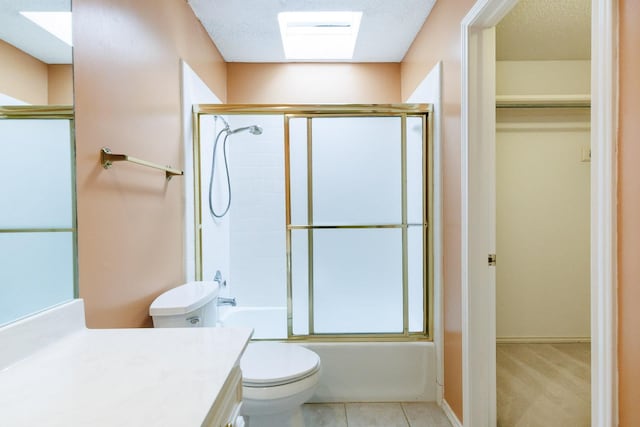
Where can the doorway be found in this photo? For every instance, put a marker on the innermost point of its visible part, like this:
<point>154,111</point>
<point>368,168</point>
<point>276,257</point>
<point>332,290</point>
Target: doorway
<point>542,214</point>
<point>478,218</point>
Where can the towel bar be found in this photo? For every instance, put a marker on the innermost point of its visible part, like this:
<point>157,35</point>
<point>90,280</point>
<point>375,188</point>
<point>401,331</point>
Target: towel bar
<point>107,158</point>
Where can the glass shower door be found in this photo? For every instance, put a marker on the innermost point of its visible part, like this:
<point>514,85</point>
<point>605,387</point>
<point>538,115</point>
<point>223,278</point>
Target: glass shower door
<point>356,225</point>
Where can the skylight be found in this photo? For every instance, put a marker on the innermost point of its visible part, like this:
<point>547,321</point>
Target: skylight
<point>314,36</point>
<point>56,23</point>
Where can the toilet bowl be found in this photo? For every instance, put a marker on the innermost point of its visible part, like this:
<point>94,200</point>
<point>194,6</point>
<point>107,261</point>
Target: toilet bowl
<point>277,378</point>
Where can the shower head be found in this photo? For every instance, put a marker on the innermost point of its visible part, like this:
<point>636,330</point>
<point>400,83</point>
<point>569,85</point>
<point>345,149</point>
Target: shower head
<point>254,130</point>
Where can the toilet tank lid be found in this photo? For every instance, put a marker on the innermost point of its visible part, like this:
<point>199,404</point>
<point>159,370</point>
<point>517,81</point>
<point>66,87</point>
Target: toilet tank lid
<point>184,298</point>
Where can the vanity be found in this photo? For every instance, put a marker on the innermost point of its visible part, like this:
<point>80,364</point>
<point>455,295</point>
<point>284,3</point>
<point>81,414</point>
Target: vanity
<point>56,372</point>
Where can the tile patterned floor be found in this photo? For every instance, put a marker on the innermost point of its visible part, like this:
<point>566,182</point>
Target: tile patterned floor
<point>406,414</point>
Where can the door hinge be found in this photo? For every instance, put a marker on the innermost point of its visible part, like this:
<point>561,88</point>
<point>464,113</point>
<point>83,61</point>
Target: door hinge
<point>492,259</point>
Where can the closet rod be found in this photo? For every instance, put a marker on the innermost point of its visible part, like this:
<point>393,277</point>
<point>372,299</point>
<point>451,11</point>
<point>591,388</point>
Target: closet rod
<point>107,158</point>
<point>543,101</point>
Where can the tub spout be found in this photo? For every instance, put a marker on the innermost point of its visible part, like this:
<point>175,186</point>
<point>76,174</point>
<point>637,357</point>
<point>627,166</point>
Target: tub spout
<point>227,301</point>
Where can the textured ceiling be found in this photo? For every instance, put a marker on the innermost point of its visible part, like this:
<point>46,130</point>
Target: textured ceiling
<point>545,30</point>
<point>18,31</point>
<point>247,30</point>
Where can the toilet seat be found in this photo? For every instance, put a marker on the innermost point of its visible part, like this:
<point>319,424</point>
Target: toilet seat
<point>269,364</point>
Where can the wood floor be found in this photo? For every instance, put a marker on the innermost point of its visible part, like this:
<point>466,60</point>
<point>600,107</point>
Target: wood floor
<point>544,385</point>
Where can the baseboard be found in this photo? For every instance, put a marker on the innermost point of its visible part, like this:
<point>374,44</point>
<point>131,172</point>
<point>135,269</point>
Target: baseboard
<point>542,340</point>
<point>453,419</point>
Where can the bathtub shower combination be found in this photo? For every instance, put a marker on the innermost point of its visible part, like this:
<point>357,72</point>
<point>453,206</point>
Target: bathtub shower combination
<point>316,217</point>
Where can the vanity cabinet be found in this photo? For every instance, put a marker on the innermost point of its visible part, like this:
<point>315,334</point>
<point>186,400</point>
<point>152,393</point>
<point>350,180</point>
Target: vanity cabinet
<point>76,377</point>
<point>226,410</point>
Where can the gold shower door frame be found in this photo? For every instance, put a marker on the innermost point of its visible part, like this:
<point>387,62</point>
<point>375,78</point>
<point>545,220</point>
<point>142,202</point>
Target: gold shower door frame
<point>309,112</point>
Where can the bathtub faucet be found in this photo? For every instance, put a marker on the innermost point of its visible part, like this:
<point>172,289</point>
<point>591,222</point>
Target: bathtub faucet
<point>227,301</point>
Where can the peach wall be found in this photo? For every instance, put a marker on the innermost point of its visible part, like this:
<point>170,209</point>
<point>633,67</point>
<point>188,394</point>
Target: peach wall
<point>22,76</point>
<point>60,84</point>
<point>629,215</point>
<point>301,83</point>
<point>439,40</point>
<point>127,91</point>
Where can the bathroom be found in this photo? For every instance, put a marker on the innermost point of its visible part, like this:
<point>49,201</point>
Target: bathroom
<point>123,304</point>
<point>131,233</point>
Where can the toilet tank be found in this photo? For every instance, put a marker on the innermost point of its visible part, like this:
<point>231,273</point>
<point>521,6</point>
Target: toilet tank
<point>190,305</point>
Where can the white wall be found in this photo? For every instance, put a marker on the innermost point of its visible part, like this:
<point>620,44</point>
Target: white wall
<point>542,207</point>
<point>257,229</point>
<point>6,100</point>
<point>430,91</point>
<point>543,77</point>
<point>216,232</point>
<point>215,247</point>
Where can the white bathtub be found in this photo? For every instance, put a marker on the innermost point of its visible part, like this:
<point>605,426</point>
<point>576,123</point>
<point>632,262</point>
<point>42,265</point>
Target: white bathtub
<point>353,371</point>
<point>267,322</point>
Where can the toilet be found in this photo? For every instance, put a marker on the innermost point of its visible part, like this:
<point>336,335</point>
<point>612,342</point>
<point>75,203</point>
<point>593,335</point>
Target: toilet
<point>277,378</point>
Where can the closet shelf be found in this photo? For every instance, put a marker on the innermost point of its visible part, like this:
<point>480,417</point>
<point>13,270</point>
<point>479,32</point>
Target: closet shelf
<point>543,101</point>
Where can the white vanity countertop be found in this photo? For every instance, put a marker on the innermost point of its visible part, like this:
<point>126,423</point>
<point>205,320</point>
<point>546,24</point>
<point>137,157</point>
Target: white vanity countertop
<point>121,377</point>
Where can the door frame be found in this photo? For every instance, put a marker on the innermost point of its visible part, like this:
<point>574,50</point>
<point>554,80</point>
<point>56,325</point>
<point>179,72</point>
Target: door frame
<point>478,211</point>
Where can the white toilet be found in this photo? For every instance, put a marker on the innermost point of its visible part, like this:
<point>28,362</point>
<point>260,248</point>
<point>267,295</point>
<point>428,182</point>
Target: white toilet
<point>277,378</point>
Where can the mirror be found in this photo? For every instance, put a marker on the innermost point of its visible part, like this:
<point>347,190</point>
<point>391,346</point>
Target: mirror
<point>36,64</point>
<point>37,223</point>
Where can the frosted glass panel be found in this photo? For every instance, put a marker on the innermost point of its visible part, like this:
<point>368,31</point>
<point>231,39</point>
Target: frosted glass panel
<point>357,281</point>
<point>36,172</point>
<point>36,272</point>
<point>414,170</point>
<point>356,170</point>
<point>300,279</point>
<point>298,170</point>
<point>416,261</point>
